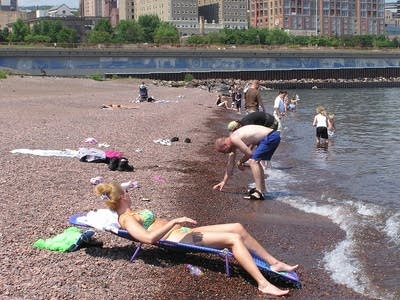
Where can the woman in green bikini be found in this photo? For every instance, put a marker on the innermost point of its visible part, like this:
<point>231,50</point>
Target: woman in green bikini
<point>146,228</point>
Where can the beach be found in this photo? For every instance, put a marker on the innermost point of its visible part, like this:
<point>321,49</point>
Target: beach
<point>40,193</point>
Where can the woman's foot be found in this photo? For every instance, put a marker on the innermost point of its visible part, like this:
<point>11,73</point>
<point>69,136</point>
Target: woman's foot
<point>280,266</point>
<point>272,290</point>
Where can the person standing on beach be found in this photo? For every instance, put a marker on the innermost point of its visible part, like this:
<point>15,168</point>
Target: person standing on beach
<point>266,140</point>
<point>280,108</point>
<point>238,100</point>
<point>321,124</point>
<point>252,98</point>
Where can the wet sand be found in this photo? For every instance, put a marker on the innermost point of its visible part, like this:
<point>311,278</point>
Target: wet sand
<point>40,193</point>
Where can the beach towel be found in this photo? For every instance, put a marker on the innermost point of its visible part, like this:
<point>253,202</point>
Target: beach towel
<point>67,241</point>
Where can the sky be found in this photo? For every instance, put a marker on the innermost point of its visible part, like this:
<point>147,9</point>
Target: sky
<point>69,3</point>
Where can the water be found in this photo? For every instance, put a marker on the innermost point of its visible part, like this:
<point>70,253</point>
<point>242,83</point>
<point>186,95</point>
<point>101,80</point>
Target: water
<point>354,182</point>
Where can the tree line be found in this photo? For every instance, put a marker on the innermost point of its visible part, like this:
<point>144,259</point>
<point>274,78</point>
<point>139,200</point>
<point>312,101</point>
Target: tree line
<point>147,29</point>
<point>150,29</point>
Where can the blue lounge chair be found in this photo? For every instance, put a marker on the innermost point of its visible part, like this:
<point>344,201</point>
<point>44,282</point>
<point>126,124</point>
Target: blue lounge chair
<point>288,278</point>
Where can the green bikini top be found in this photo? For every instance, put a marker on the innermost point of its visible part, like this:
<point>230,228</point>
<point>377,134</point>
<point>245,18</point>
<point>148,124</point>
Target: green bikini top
<point>148,217</point>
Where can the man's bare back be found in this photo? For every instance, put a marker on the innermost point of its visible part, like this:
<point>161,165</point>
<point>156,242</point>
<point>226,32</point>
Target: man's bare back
<point>249,135</point>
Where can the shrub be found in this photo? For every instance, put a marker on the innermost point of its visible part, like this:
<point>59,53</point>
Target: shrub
<point>3,75</point>
<point>189,77</point>
<point>97,77</point>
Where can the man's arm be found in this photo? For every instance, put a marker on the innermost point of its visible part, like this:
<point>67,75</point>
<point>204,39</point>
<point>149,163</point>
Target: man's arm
<point>260,102</point>
<point>228,171</point>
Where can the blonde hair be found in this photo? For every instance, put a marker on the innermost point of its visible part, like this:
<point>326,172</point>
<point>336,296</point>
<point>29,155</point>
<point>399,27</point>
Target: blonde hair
<point>111,193</point>
<point>233,125</point>
<point>320,109</point>
<point>331,116</point>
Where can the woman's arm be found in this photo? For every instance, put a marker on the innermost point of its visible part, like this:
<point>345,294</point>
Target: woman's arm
<point>138,232</point>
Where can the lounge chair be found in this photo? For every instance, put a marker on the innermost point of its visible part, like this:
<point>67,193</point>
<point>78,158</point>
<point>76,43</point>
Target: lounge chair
<point>287,278</point>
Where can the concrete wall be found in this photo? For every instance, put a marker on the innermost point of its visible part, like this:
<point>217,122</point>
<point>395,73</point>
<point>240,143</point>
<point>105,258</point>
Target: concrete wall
<point>82,62</point>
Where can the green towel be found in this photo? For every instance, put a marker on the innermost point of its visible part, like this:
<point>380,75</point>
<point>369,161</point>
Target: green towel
<point>62,242</point>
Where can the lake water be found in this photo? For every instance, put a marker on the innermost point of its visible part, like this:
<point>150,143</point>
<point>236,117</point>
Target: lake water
<point>354,182</point>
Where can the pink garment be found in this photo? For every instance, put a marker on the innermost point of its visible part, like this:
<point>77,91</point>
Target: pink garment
<point>113,153</point>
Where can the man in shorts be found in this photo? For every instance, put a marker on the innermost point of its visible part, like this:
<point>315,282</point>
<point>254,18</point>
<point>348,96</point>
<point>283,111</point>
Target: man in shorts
<point>245,138</point>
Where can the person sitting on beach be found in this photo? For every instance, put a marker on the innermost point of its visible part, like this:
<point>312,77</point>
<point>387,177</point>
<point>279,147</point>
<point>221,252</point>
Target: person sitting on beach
<point>145,227</point>
<point>143,92</point>
<point>222,101</point>
<point>244,138</point>
<point>321,124</point>
<point>254,118</point>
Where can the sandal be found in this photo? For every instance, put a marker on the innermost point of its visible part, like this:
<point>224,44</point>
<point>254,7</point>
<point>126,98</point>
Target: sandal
<point>254,195</point>
<point>251,191</point>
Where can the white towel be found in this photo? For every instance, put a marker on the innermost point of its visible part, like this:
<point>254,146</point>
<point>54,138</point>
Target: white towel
<point>101,219</point>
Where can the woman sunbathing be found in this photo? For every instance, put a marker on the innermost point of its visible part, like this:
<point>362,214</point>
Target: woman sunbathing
<point>143,226</point>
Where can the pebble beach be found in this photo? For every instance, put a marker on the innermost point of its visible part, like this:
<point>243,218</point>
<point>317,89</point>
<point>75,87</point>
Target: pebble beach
<point>39,194</point>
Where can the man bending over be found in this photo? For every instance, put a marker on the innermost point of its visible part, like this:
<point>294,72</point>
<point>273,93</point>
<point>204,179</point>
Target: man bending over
<point>245,138</point>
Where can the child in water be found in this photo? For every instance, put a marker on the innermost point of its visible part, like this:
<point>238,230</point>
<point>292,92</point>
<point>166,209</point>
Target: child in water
<point>321,124</point>
<point>331,125</point>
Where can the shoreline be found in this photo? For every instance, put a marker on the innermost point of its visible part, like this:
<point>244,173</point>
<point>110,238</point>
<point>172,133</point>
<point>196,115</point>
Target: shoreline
<point>55,113</point>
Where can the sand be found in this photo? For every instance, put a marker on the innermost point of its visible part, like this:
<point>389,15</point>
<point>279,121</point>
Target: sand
<point>40,193</point>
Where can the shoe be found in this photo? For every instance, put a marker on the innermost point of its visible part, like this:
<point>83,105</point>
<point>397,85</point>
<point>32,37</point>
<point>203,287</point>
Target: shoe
<point>251,191</point>
<point>254,195</point>
<point>130,185</point>
<point>187,140</point>
<point>124,166</point>
<point>174,139</point>
<point>96,180</point>
<point>113,164</point>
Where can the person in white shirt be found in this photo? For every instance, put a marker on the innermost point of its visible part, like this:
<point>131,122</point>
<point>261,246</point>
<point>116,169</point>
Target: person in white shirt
<point>321,124</point>
<point>280,107</point>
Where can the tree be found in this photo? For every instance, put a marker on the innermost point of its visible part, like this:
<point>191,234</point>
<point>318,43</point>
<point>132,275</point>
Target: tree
<point>128,31</point>
<point>49,28</point>
<point>103,25</point>
<point>4,34</point>
<point>99,37</point>
<point>67,35</point>
<point>101,33</point>
<point>166,33</point>
<point>19,31</point>
<point>149,23</point>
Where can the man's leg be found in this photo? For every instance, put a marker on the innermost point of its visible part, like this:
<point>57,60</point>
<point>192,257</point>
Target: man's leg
<point>258,174</point>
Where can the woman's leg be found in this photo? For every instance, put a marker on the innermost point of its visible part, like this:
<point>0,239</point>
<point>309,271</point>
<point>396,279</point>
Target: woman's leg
<point>250,242</point>
<point>235,242</point>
